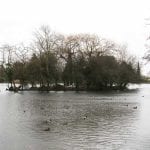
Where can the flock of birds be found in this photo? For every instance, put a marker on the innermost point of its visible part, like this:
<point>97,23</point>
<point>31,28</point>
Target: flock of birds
<point>84,117</point>
<point>135,107</point>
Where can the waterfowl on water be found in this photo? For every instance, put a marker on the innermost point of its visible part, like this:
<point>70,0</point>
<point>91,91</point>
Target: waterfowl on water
<point>135,107</point>
<point>47,129</point>
<point>41,108</point>
<point>48,120</point>
<point>84,117</point>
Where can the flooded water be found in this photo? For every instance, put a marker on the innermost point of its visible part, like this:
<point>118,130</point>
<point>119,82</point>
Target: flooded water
<point>75,121</point>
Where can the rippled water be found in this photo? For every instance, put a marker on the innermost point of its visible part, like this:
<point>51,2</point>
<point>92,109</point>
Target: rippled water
<point>83,120</point>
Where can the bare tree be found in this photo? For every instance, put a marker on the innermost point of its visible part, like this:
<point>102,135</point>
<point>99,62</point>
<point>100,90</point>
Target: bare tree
<point>45,45</point>
<point>22,53</point>
<point>8,53</point>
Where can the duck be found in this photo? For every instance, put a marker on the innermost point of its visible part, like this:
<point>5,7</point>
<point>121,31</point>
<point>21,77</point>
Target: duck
<point>84,117</point>
<point>47,129</point>
<point>42,108</point>
<point>48,120</point>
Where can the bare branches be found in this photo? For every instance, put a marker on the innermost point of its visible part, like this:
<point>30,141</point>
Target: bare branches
<point>22,53</point>
<point>8,53</point>
<point>45,40</point>
<point>82,60</point>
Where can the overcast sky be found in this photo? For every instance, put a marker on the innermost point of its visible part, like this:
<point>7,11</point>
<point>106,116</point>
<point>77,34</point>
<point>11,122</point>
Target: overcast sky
<point>123,21</point>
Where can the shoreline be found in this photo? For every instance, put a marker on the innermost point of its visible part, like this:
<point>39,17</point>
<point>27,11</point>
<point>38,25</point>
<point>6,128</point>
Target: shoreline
<point>48,89</point>
<point>63,88</point>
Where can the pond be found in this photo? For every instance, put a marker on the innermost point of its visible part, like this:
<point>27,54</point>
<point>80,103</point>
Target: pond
<point>33,120</point>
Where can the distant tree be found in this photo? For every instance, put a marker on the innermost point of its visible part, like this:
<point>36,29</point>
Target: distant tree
<point>48,65</point>
<point>101,72</point>
<point>69,49</point>
<point>45,47</point>
<point>109,70</point>
<point>33,70</point>
<point>79,72</point>
<point>2,73</point>
<point>20,72</point>
<point>9,74</point>
<point>138,72</point>
<point>20,64</point>
<point>8,58</point>
<point>92,45</point>
<point>127,74</point>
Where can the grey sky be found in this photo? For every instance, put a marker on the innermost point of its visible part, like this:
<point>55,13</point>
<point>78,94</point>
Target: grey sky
<point>120,20</point>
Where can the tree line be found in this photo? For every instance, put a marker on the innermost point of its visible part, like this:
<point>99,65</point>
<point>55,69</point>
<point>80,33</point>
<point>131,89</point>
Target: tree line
<point>60,62</point>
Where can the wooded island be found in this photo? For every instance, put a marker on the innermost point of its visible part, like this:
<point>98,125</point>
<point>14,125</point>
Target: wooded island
<point>68,62</point>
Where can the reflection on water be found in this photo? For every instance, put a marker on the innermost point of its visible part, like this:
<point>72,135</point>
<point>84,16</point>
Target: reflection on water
<point>70,120</point>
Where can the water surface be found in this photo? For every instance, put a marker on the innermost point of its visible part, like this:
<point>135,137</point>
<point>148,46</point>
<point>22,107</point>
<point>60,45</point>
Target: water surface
<point>84,120</point>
